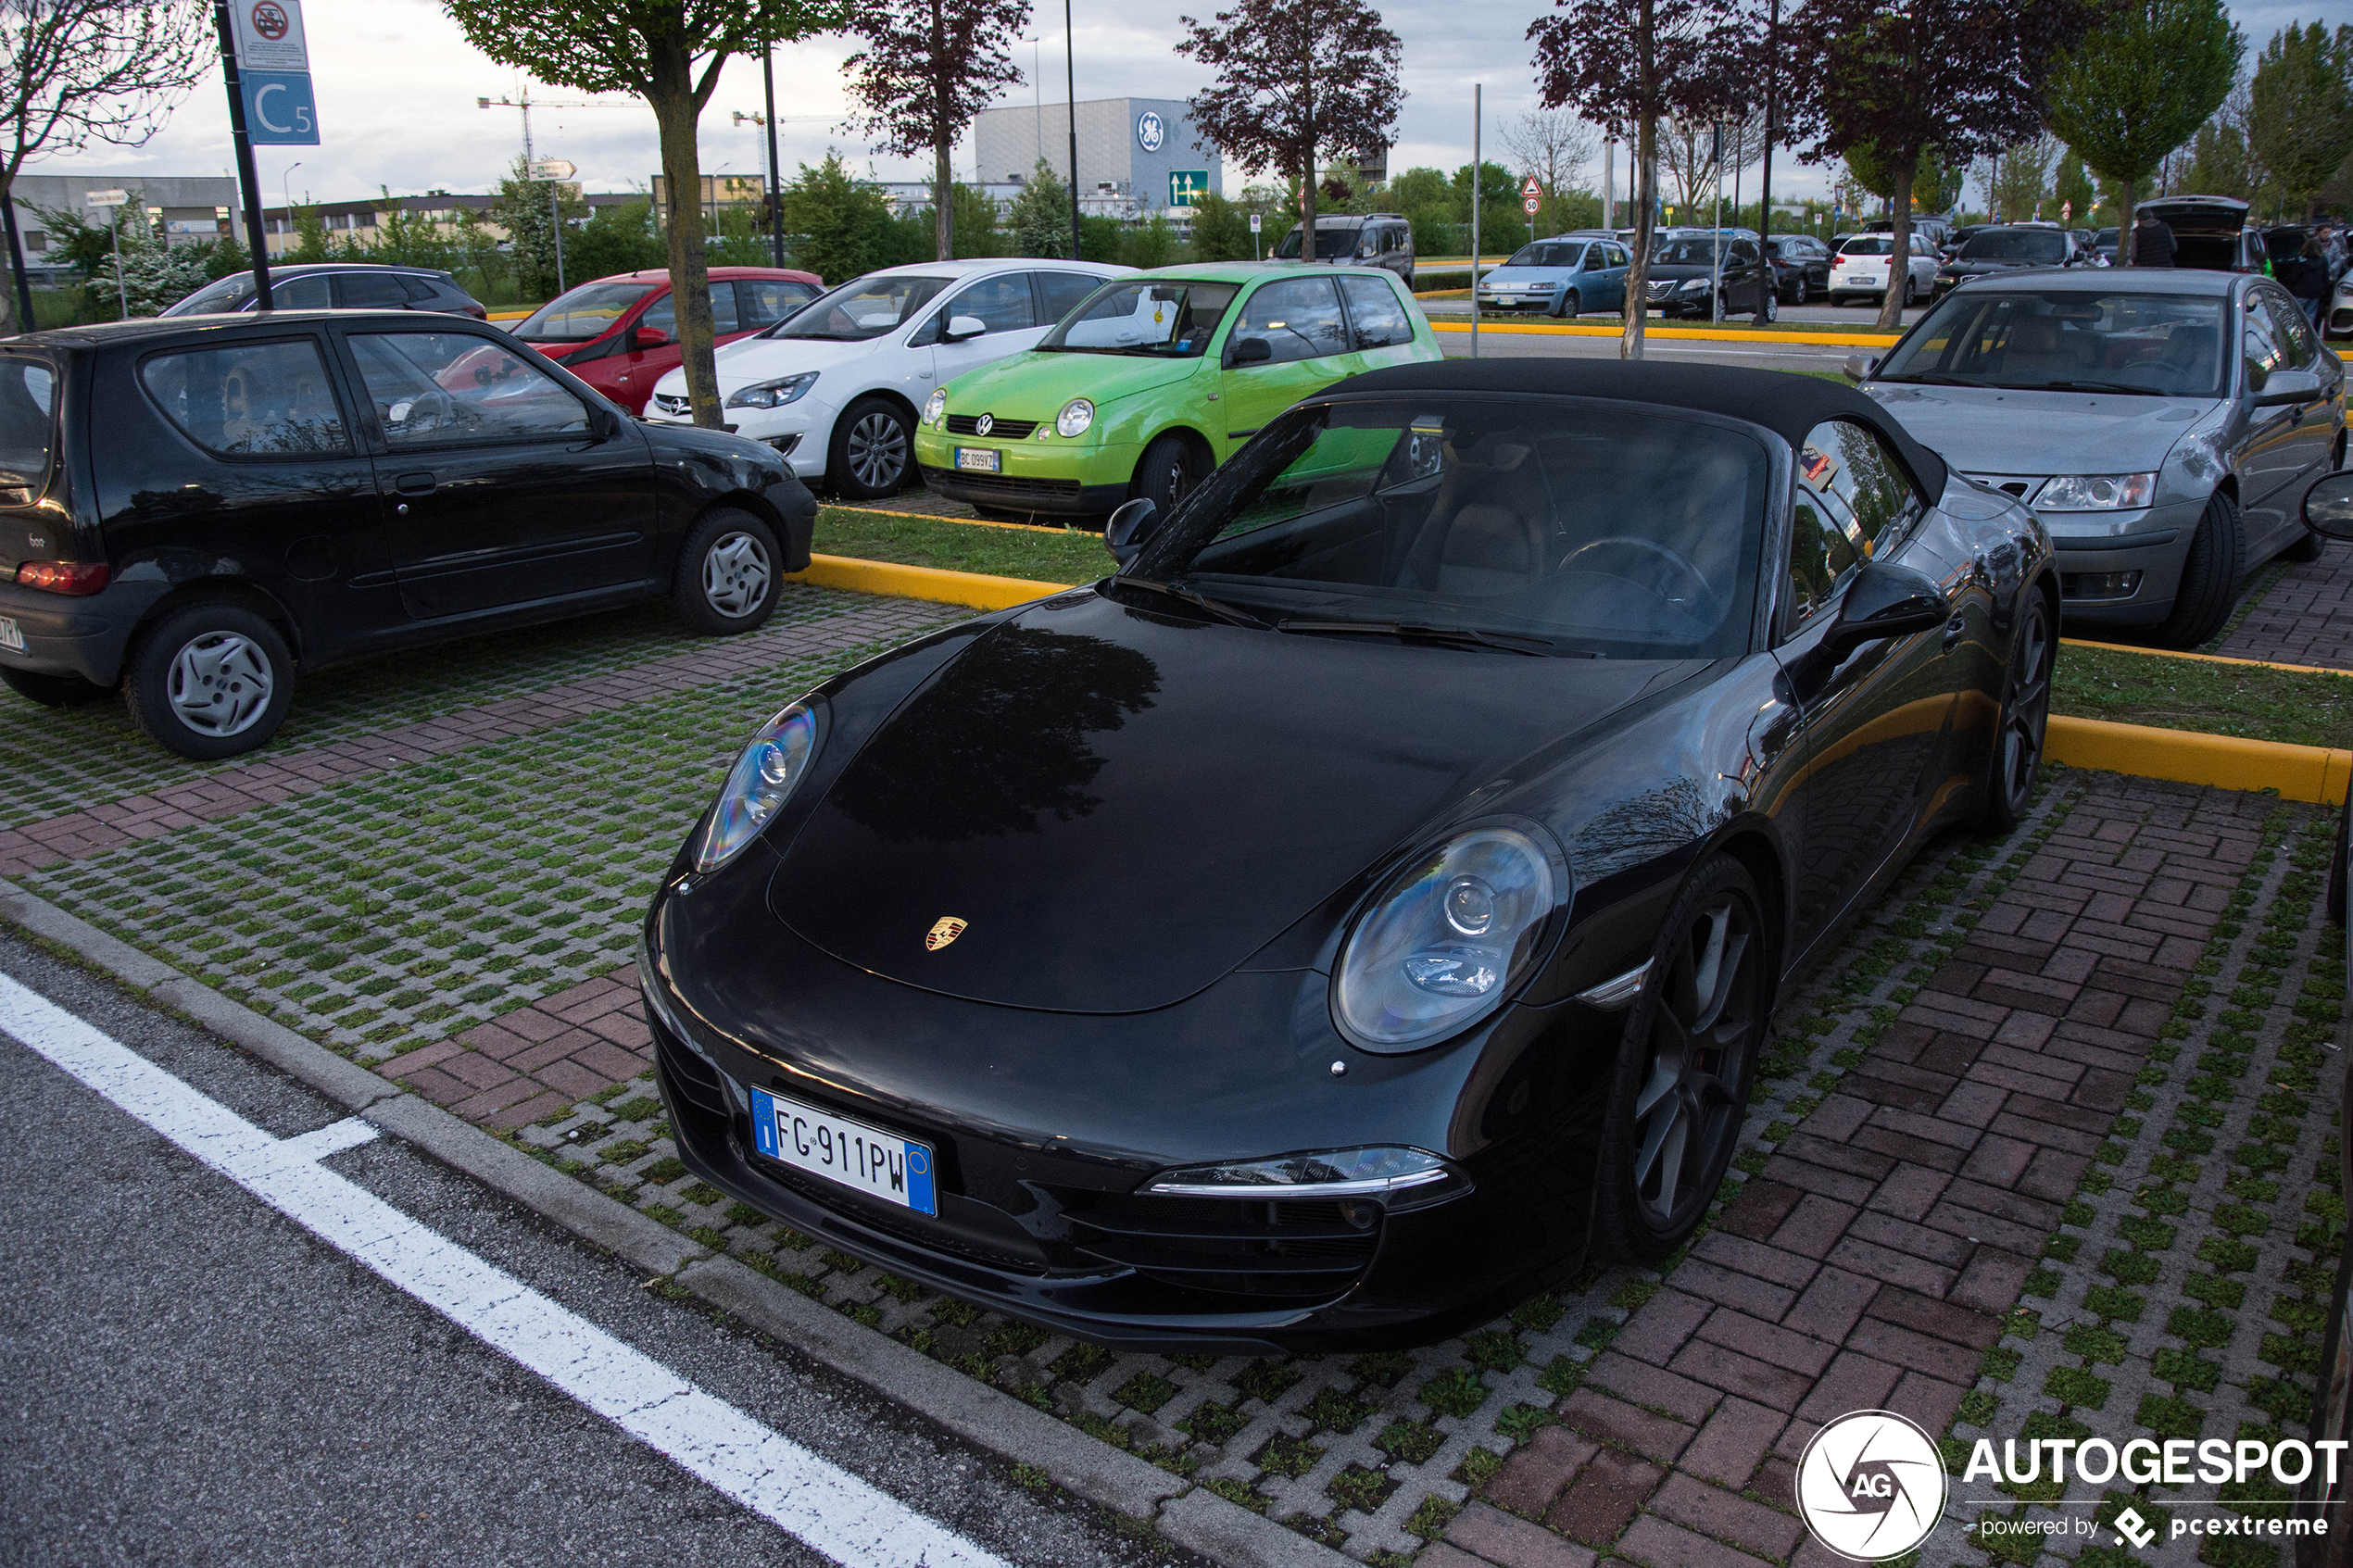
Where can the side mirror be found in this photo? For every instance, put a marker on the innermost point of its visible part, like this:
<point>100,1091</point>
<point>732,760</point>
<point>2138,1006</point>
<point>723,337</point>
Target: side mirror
<point>604,421</point>
<point>1250,351</point>
<point>1885,600</point>
<point>1859,366</point>
<point>959,328</point>
<point>1124,533</point>
<point>2282,387</point>
<point>2328,506</point>
<point>644,338</point>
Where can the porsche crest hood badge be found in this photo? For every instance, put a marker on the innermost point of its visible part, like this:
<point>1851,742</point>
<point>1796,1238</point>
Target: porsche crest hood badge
<point>944,930</point>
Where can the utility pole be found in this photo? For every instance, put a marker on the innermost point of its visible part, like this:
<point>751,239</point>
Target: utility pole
<point>248,180</point>
<point>1609,182</point>
<point>1070,69</point>
<point>1478,115</point>
<point>1764,178</point>
<point>775,169</point>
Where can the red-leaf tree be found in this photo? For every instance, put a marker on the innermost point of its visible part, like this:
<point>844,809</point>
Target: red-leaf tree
<point>1964,78</point>
<point>928,67</point>
<point>1298,81</point>
<point>1633,65</point>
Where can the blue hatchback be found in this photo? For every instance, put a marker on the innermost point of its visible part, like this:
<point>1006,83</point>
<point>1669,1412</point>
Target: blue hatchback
<point>1563,276</point>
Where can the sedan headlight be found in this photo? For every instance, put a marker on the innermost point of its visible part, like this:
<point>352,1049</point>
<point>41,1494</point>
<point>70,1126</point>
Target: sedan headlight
<point>1694,286</point>
<point>2096,492</point>
<point>935,406</point>
<point>1447,939</point>
<point>770,394</point>
<point>762,780</point>
<point>1398,1178</point>
<point>1076,415</point>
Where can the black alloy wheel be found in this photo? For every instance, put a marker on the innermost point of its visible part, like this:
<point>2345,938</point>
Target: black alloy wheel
<point>1685,1066</point>
<point>2011,771</point>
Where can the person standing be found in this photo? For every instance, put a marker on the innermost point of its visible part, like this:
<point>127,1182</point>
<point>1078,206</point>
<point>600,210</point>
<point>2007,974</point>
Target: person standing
<point>2152,241</point>
<point>2307,278</point>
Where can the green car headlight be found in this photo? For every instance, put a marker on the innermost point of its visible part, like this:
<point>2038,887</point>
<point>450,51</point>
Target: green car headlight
<point>1076,415</point>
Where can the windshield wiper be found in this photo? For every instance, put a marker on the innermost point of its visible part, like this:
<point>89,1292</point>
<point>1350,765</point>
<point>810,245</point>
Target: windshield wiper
<point>2097,386</point>
<point>1509,641</point>
<point>1932,378</point>
<point>1198,601</point>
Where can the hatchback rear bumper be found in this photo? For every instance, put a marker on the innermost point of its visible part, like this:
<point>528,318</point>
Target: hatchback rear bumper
<point>68,636</point>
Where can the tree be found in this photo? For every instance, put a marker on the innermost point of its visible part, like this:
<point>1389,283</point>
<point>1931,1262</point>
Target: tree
<point>524,210</point>
<point>2300,122</point>
<point>928,67</point>
<point>1039,217</point>
<point>2217,162</point>
<point>1298,81</point>
<point>2024,181</point>
<point>77,71</point>
<point>2138,86</point>
<point>1551,147</point>
<point>669,53</point>
<point>2071,189</point>
<point>1502,223</point>
<point>1688,150</point>
<point>1151,243</point>
<point>1960,77</point>
<point>1636,64</point>
<point>976,222</point>
<point>619,238</point>
<point>1221,229</point>
<point>838,227</point>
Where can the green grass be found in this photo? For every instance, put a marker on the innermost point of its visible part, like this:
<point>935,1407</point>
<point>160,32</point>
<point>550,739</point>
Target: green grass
<point>1042,554</point>
<point>2216,699</point>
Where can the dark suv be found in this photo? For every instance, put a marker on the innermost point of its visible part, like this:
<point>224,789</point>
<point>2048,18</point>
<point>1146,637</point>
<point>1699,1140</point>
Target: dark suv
<point>1372,239</point>
<point>343,285</point>
<point>193,511</point>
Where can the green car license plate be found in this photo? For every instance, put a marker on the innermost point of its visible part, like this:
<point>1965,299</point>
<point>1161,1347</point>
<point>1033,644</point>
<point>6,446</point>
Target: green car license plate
<point>980,459</point>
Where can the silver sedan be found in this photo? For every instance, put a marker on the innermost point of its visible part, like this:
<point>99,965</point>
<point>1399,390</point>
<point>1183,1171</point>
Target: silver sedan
<point>2164,424</point>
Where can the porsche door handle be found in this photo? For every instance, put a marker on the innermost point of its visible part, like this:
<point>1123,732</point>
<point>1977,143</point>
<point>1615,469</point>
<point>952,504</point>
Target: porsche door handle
<point>1953,630</point>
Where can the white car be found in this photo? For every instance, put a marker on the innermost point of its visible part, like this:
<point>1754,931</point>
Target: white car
<point>836,386</point>
<point>1860,269</point>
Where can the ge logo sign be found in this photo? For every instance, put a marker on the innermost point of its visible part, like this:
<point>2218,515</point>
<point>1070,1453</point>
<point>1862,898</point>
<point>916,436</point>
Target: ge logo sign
<point>1149,132</point>
<point>1870,1485</point>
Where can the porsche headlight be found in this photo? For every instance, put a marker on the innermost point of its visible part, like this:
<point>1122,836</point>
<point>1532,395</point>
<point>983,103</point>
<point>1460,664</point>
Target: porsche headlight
<point>1443,943</point>
<point>762,780</point>
<point>2096,492</point>
<point>935,406</point>
<point>772,394</point>
<point>1076,415</point>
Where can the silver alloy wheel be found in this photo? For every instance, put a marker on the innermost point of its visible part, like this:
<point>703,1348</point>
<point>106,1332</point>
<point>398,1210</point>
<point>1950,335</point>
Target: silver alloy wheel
<point>735,575</point>
<point>1699,1033</point>
<point>1772,305</point>
<point>219,684</point>
<point>877,450</point>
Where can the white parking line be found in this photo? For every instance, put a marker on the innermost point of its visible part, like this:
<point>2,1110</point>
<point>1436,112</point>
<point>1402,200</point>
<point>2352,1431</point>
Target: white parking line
<point>826,1507</point>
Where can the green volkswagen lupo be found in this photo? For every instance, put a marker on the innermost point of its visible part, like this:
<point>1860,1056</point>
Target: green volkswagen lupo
<point>1156,379</point>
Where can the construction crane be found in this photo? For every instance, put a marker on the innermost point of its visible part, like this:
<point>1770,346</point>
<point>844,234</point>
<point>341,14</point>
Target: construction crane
<point>531,163</point>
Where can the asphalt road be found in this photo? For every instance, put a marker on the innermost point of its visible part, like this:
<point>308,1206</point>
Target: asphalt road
<point>193,1378</point>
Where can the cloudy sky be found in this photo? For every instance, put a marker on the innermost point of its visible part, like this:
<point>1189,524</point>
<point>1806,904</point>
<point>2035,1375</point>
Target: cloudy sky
<point>396,84</point>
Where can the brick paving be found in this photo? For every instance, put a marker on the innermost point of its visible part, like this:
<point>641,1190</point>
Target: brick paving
<point>269,781</point>
<point>2305,617</point>
<point>1871,1260</point>
<point>536,1060</point>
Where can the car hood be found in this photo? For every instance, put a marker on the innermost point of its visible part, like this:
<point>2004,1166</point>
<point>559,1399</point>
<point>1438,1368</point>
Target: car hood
<point>1521,277</point>
<point>1119,806</point>
<point>1676,271</point>
<point>1995,430</point>
<point>1992,264</point>
<point>1034,385</point>
<point>750,359</point>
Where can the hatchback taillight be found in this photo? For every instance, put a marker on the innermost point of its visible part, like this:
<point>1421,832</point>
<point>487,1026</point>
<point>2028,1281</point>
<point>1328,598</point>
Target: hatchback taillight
<point>63,576</point>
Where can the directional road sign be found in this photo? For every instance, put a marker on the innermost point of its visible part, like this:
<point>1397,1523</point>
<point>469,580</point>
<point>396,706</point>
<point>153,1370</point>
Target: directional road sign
<point>1186,186</point>
<point>554,168</point>
<point>279,110</point>
<point>113,196</point>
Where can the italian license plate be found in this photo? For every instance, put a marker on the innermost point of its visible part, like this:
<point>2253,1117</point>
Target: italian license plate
<point>980,459</point>
<point>11,634</point>
<point>882,1165</point>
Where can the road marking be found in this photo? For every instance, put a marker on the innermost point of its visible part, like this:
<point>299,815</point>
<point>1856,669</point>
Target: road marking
<point>832,1511</point>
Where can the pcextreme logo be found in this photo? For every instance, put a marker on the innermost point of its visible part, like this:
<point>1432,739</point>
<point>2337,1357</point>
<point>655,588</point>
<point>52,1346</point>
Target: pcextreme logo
<point>1870,1485</point>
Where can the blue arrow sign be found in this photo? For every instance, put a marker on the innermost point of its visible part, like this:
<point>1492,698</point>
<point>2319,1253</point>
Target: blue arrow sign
<point>279,110</point>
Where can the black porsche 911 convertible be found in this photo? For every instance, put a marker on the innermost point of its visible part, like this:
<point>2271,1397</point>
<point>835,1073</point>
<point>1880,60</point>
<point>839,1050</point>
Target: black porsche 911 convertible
<point>1367,902</point>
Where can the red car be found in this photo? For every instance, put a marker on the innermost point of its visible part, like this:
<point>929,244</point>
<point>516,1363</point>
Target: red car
<point>621,334</point>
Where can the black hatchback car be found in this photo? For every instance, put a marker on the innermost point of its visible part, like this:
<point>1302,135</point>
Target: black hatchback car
<point>345,285</point>
<point>194,511</point>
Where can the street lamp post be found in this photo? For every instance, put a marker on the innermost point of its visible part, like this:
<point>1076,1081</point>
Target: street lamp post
<point>776,168</point>
<point>1070,69</point>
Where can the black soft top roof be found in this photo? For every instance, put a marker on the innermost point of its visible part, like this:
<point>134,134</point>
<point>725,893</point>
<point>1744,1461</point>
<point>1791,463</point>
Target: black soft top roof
<point>1788,406</point>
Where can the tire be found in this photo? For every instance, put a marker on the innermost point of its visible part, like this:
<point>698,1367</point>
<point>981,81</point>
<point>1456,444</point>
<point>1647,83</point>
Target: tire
<point>1772,307</point>
<point>1911,291</point>
<point>2209,577</point>
<point>1675,1106</point>
<point>873,453</point>
<point>2025,719</point>
<point>1572,305</point>
<point>53,691</point>
<point>208,681</point>
<point>1838,301</point>
<point>727,577</point>
<point>1170,470</point>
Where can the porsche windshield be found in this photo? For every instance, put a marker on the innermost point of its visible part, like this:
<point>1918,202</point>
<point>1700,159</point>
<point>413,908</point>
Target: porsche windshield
<point>1591,528</point>
<point>1166,319</point>
<point>2072,340</point>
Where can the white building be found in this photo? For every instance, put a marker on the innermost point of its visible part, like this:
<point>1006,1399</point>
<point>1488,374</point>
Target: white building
<point>189,208</point>
<point>1135,156</point>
